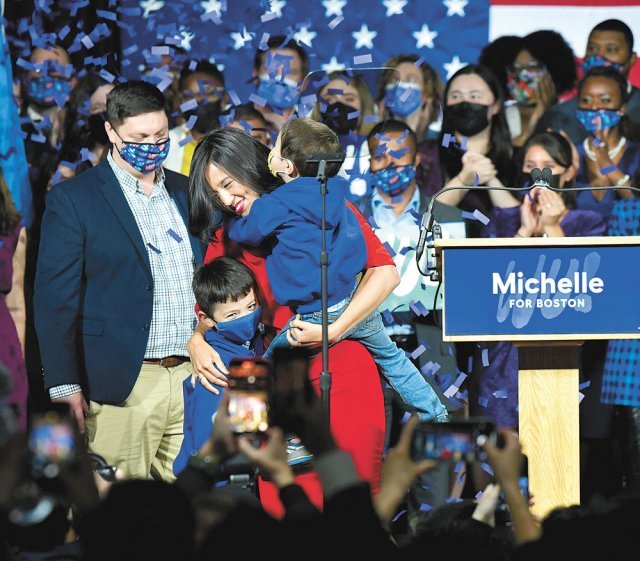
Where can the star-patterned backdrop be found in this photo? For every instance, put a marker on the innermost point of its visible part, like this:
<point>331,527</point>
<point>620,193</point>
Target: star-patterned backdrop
<point>447,34</point>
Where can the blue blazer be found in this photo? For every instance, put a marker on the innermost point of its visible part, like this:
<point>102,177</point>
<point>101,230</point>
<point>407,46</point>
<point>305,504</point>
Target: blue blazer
<point>94,289</point>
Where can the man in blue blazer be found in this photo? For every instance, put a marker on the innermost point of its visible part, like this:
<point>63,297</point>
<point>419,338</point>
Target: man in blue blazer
<point>113,302</point>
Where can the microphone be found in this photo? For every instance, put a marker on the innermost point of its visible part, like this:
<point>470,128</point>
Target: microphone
<point>329,157</point>
<point>541,178</point>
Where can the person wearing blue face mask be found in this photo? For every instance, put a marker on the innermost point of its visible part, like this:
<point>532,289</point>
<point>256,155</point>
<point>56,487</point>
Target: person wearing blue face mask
<point>411,92</point>
<point>225,291</point>
<point>394,209</point>
<point>113,300</point>
<point>610,154</point>
<point>279,72</point>
<point>610,44</point>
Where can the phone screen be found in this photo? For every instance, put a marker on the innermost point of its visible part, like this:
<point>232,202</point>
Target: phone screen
<point>51,441</point>
<point>456,441</point>
<point>249,382</point>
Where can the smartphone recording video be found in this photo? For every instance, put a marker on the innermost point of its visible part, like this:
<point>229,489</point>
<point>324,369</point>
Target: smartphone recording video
<point>249,383</point>
<point>455,441</point>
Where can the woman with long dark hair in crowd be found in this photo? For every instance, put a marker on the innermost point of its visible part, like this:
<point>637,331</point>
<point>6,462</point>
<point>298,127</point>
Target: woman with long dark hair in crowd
<point>475,144</point>
<point>233,161</point>
<point>13,248</point>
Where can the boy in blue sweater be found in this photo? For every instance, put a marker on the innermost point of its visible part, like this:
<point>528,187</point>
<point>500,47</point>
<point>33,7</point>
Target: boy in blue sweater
<point>225,291</point>
<point>291,214</point>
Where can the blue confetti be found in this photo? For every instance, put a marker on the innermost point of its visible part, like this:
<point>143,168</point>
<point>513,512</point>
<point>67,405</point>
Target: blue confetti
<point>417,352</point>
<point>425,507</point>
<point>235,99</point>
<point>335,22</point>
<point>485,357</point>
<point>478,495</point>
<point>401,513</point>
<point>186,139</point>
<point>362,59</point>
<point>255,98</point>
<point>486,467</point>
<point>153,248</point>
<point>483,401</point>
<point>501,394</point>
<point>389,249</point>
<point>188,105</point>
<point>174,235</point>
<point>585,385</point>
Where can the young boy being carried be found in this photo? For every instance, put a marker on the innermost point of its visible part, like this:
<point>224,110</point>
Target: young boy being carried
<point>291,214</point>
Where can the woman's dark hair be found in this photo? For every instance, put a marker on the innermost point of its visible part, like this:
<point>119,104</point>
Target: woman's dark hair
<point>76,128</point>
<point>627,127</point>
<point>558,147</point>
<point>9,216</point>
<point>243,157</point>
<point>200,67</point>
<point>220,281</point>
<point>499,54</point>
<point>131,99</point>
<point>500,148</point>
<point>551,49</point>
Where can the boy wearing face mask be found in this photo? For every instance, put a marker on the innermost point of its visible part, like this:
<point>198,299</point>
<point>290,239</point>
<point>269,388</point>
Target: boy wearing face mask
<point>225,291</point>
<point>610,44</point>
<point>291,214</point>
<point>113,300</point>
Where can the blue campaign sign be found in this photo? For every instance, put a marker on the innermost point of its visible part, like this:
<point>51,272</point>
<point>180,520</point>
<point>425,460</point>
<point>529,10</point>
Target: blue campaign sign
<point>516,291</point>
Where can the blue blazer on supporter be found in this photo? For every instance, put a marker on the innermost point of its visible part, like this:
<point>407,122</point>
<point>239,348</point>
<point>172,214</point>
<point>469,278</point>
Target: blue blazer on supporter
<point>94,289</point>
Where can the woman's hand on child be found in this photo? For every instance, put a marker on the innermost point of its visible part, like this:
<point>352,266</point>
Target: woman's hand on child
<point>208,367</point>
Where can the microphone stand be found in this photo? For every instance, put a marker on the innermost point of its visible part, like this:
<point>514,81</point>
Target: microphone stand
<point>325,375</point>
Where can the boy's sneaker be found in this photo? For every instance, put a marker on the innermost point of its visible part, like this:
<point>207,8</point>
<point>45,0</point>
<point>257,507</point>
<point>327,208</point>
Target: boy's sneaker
<point>297,454</point>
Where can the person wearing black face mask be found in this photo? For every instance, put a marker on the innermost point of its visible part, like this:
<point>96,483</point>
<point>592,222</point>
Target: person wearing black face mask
<point>475,144</point>
<point>343,103</point>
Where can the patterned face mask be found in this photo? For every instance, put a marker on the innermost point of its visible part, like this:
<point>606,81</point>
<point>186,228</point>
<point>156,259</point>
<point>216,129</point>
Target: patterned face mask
<point>595,61</point>
<point>523,84</point>
<point>403,99</point>
<point>47,91</point>
<point>595,120</point>
<point>393,181</point>
<point>144,157</point>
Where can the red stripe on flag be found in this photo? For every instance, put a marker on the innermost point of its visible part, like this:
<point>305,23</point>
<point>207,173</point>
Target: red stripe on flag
<point>567,3</point>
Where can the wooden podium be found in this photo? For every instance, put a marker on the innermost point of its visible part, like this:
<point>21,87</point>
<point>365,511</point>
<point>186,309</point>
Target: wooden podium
<point>547,296</point>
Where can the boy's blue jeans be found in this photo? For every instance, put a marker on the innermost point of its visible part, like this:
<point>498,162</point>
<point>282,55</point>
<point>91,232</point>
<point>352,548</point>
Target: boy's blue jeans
<point>392,362</point>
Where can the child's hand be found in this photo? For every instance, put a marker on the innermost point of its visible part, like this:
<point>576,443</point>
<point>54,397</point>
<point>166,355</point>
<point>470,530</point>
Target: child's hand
<point>303,333</point>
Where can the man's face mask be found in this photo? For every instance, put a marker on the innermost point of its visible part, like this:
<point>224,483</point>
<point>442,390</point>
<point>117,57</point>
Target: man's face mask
<point>280,94</point>
<point>47,91</point>
<point>242,329</point>
<point>393,181</point>
<point>404,98</point>
<point>595,61</point>
<point>144,157</point>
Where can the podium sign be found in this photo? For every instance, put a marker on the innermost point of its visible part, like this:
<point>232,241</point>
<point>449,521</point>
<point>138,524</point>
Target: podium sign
<point>542,292</point>
<point>546,295</point>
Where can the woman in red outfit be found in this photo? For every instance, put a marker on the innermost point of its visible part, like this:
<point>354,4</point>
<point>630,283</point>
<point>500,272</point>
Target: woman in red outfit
<point>233,160</point>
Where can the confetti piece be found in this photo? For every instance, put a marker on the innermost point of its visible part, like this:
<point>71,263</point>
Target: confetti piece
<point>87,42</point>
<point>425,507</point>
<point>483,401</point>
<point>188,105</point>
<point>255,98</point>
<point>235,99</point>
<point>362,59</point>
<point>398,153</point>
<point>500,394</point>
<point>485,357</point>
<point>106,14</point>
<point>268,16</point>
<point>153,248</point>
<point>389,249</point>
<point>478,495</point>
<point>486,467</point>
<point>174,235</point>
<point>458,467</point>
<point>401,513</point>
<point>186,139</point>
<point>585,385</point>
<point>371,119</point>
<point>387,317</point>
<point>481,217</point>
<point>417,352</point>
<point>476,180</point>
<point>107,75</point>
<point>130,50</point>
<point>335,22</point>
<point>580,397</point>
<point>609,169</point>
<point>40,138</point>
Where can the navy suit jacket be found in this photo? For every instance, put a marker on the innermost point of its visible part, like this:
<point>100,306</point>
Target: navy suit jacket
<point>94,289</point>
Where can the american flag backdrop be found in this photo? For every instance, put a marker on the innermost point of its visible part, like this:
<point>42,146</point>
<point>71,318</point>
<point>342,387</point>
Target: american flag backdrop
<point>349,33</point>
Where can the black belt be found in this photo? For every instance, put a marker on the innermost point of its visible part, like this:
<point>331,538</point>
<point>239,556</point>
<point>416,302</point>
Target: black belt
<point>167,361</point>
